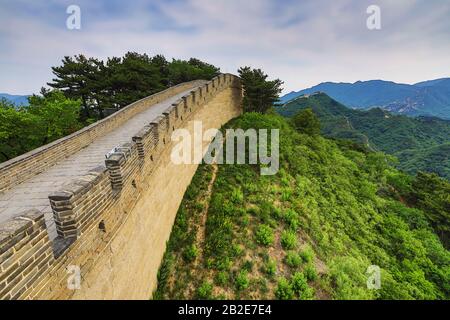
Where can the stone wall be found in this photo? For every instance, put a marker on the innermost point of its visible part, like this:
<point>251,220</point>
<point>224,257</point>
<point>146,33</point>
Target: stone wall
<point>19,169</point>
<point>114,222</point>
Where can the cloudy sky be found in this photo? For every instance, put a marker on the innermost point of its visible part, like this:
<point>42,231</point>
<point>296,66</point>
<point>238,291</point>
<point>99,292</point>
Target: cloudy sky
<point>302,42</point>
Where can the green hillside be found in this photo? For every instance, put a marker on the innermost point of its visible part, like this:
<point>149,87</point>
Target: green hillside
<point>309,232</point>
<point>421,144</point>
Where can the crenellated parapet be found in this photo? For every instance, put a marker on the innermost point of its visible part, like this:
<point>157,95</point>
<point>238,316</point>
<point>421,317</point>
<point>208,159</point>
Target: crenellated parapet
<point>90,210</point>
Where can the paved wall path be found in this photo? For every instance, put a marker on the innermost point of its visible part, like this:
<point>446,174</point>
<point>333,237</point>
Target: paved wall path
<point>33,193</point>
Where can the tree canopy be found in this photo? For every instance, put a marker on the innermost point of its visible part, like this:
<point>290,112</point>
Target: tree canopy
<point>46,119</point>
<point>106,86</point>
<point>307,122</point>
<point>260,94</point>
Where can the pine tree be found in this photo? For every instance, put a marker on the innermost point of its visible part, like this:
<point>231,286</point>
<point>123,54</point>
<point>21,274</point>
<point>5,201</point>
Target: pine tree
<point>259,94</point>
<point>75,78</point>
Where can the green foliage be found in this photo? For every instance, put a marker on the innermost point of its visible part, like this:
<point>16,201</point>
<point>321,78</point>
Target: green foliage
<point>307,254</point>
<point>204,292</point>
<point>260,94</point>
<point>106,86</point>
<point>300,286</point>
<point>288,240</point>
<point>163,275</point>
<point>426,192</point>
<point>237,196</point>
<point>420,144</point>
<point>248,266</point>
<point>293,259</point>
<point>221,278</point>
<point>432,194</point>
<point>310,272</point>
<point>264,235</point>
<point>270,267</point>
<point>46,119</point>
<point>350,205</point>
<point>306,122</point>
<point>191,253</point>
<point>284,290</point>
<point>291,218</point>
<point>237,250</point>
<point>241,281</point>
<point>180,71</point>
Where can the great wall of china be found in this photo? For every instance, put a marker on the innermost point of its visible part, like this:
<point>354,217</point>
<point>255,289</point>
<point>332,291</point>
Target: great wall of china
<point>66,205</point>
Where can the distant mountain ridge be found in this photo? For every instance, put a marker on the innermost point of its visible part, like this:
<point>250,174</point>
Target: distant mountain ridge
<point>420,144</point>
<point>18,100</point>
<point>427,98</point>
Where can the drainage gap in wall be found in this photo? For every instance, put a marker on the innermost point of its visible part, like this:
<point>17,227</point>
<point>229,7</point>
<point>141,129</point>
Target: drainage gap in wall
<point>133,183</point>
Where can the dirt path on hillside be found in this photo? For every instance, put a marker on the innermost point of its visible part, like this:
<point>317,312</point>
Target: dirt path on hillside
<point>201,234</point>
<point>197,266</point>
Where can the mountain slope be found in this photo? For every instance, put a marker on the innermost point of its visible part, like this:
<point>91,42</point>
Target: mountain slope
<point>309,232</point>
<point>410,139</point>
<point>428,98</point>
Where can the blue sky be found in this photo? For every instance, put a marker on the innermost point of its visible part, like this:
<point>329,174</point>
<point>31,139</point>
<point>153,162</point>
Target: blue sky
<point>301,42</point>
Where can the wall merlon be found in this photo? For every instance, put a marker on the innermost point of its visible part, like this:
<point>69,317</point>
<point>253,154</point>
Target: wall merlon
<point>23,241</point>
<point>188,103</point>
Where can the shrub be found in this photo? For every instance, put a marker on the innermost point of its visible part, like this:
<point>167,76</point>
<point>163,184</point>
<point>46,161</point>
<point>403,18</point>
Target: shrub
<point>248,266</point>
<point>288,240</point>
<point>264,235</point>
<point>307,122</point>
<point>293,259</point>
<point>265,211</point>
<point>270,267</point>
<point>245,220</point>
<point>199,207</point>
<point>299,282</point>
<point>310,272</point>
<point>286,194</point>
<point>237,250</point>
<point>242,282</point>
<point>191,253</point>
<point>307,254</point>
<point>300,286</point>
<point>221,278</point>
<point>284,290</point>
<point>204,292</point>
<point>276,213</point>
<point>291,219</point>
<point>263,287</point>
<point>223,264</point>
<point>237,196</point>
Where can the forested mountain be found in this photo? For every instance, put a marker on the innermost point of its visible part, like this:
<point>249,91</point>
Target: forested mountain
<point>420,143</point>
<point>428,98</point>
<point>17,100</point>
<point>312,231</point>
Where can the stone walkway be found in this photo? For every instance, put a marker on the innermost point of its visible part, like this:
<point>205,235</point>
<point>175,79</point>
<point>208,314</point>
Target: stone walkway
<point>33,193</point>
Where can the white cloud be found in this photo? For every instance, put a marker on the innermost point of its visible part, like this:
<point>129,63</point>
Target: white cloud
<point>301,42</point>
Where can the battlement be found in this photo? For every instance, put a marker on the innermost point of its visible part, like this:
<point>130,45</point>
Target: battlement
<point>21,168</point>
<point>90,210</point>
